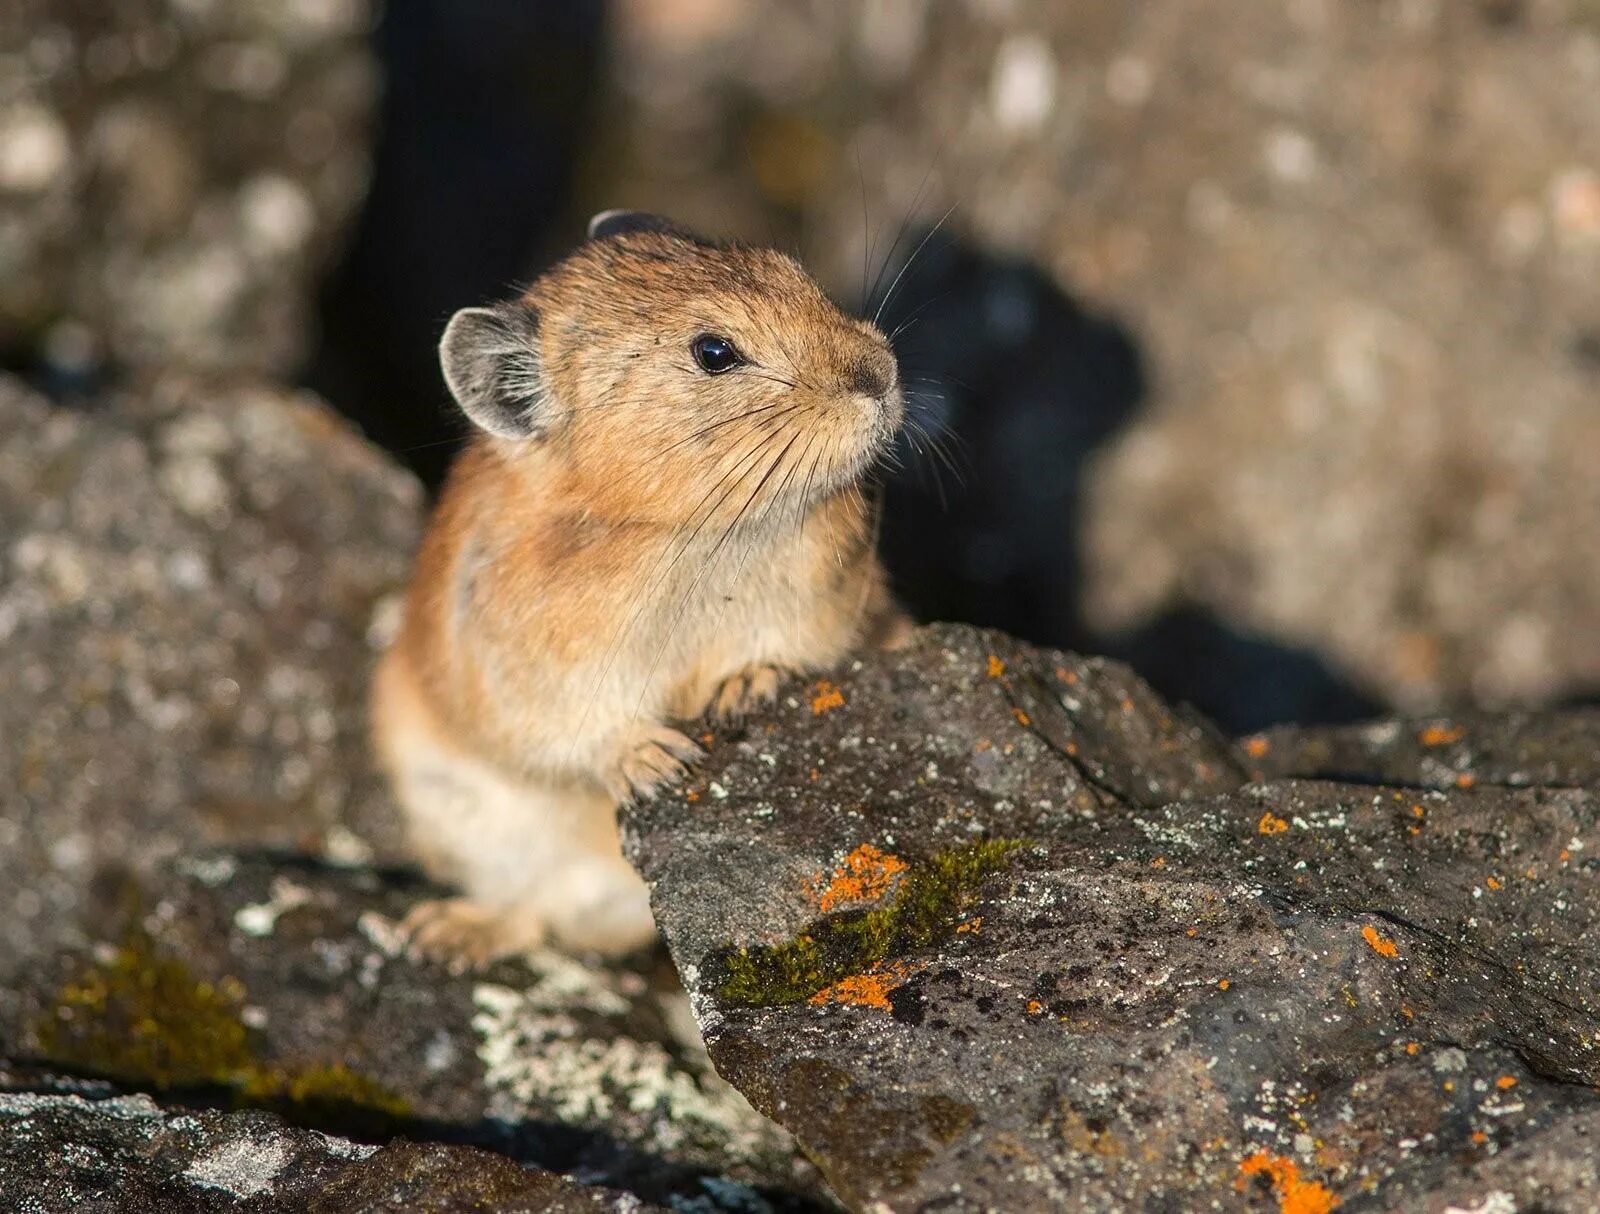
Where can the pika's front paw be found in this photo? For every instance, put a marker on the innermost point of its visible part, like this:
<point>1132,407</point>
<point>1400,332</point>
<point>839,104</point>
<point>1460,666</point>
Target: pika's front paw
<point>746,691</point>
<point>463,934</point>
<point>658,756</point>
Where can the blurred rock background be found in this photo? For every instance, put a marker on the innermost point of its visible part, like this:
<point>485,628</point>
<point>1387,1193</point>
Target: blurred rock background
<point>173,174</point>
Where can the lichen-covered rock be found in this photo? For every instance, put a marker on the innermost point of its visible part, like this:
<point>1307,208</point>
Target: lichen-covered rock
<point>172,174</point>
<point>1358,247</point>
<point>127,1153</point>
<point>193,579</point>
<point>280,986</point>
<point>1548,749</point>
<point>938,918</point>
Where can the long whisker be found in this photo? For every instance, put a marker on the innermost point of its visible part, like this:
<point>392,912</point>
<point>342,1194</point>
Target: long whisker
<point>915,253</point>
<point>717,425</point>
<point>888,257</point>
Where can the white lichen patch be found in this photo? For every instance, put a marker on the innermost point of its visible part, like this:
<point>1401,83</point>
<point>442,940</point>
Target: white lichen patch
<point>243,1167</point>
<point>538,1062</point>
<point>28,1104</point>
<point>259,918</point>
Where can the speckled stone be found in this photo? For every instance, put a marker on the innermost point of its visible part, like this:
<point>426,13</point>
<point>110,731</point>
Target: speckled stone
<point>594,1070</point>
<point>129,1154</point>
<point>172,177</point>
<point>193,583</point>
<point>1549,749</point>
<point>1182,991</point>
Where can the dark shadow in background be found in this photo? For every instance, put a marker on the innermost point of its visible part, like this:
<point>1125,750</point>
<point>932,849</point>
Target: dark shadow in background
<point>486,107</point>
<point>1026,386</point>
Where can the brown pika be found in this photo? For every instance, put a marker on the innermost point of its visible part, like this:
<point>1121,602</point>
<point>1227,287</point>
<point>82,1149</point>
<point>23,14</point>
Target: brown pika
<point>660,516</point>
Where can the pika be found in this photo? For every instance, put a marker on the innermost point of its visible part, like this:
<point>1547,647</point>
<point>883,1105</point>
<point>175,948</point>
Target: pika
<point>661,515</point>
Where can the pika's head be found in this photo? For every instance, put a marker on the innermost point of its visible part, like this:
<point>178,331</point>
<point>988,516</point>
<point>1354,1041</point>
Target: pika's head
<point>692,381</point>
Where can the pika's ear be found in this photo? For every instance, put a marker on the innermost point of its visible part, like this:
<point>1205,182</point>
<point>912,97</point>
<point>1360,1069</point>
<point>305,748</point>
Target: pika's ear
<point>618,223</point>
<point>490,358</point>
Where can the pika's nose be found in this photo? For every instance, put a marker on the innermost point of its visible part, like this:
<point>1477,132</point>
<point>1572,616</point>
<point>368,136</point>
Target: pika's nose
<point>871,377</point>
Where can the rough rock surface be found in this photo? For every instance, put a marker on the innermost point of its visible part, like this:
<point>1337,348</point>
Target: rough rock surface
<point>171,176</point>
<point>279,985</point>
<point>192,580</point>
<point>1549,749</point>
<point>1359,246</point>
<point>62,1152</point>
<point>991,928</point>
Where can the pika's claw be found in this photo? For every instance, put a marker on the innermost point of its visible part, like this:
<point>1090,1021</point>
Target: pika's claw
<point>746,691</point>
<point>465,935</point>
<point>659,757</point>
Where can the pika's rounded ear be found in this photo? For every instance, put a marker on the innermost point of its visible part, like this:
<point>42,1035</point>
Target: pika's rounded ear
<point>490,358</point>
<point>618,223</point>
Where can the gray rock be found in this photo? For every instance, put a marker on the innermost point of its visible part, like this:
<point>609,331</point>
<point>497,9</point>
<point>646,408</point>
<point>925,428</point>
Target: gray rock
<point>279,984</point>
<point>1151,987</point>
<point>172,175</point>
<point>192,583</point>
<point>128,1153</point>
<point>1549,749</point>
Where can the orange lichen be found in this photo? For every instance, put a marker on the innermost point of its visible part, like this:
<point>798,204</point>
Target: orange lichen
<point>1564,856</point>
<point>1224,985</point>
<point>1413,1048</point>
<point>1493,883</point>
<point>982,744</point>
<point>865,875</point>
<point>1466,780</point>
<point>996,667</point>
<point>827,697</point>
<point>871,989</point>
<point>1034,1007</point>
<point>1159,862</point>
<point>1441,735</point>
<point>1257,746</point>
<point>971,925</point>
<point>1022,718</point>
<point>1295,1195</point>
<point>1192,932</point>
<point>1506,1081</point>
<point>1479,1137</point>
<point>1271,824</point>
<point>1381,945</point>
<point>1069,677</point>
<point>1405,1010</point>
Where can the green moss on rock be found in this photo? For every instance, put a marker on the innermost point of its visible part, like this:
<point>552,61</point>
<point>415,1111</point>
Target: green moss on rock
<point>927,906</point>
<point>144,1018</point>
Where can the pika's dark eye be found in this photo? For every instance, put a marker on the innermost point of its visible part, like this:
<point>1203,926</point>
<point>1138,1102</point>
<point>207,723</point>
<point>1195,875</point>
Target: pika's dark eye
<point>714,354</point>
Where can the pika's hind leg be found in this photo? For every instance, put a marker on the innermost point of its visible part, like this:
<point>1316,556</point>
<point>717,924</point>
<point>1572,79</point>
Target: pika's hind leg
<point>533,860</point>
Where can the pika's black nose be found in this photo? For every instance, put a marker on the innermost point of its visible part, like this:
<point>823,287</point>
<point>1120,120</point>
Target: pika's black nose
<point>870,378</point>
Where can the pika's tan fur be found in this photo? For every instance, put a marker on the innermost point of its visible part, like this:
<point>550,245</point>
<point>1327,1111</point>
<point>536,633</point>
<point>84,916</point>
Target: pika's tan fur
<point>630,542</point>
